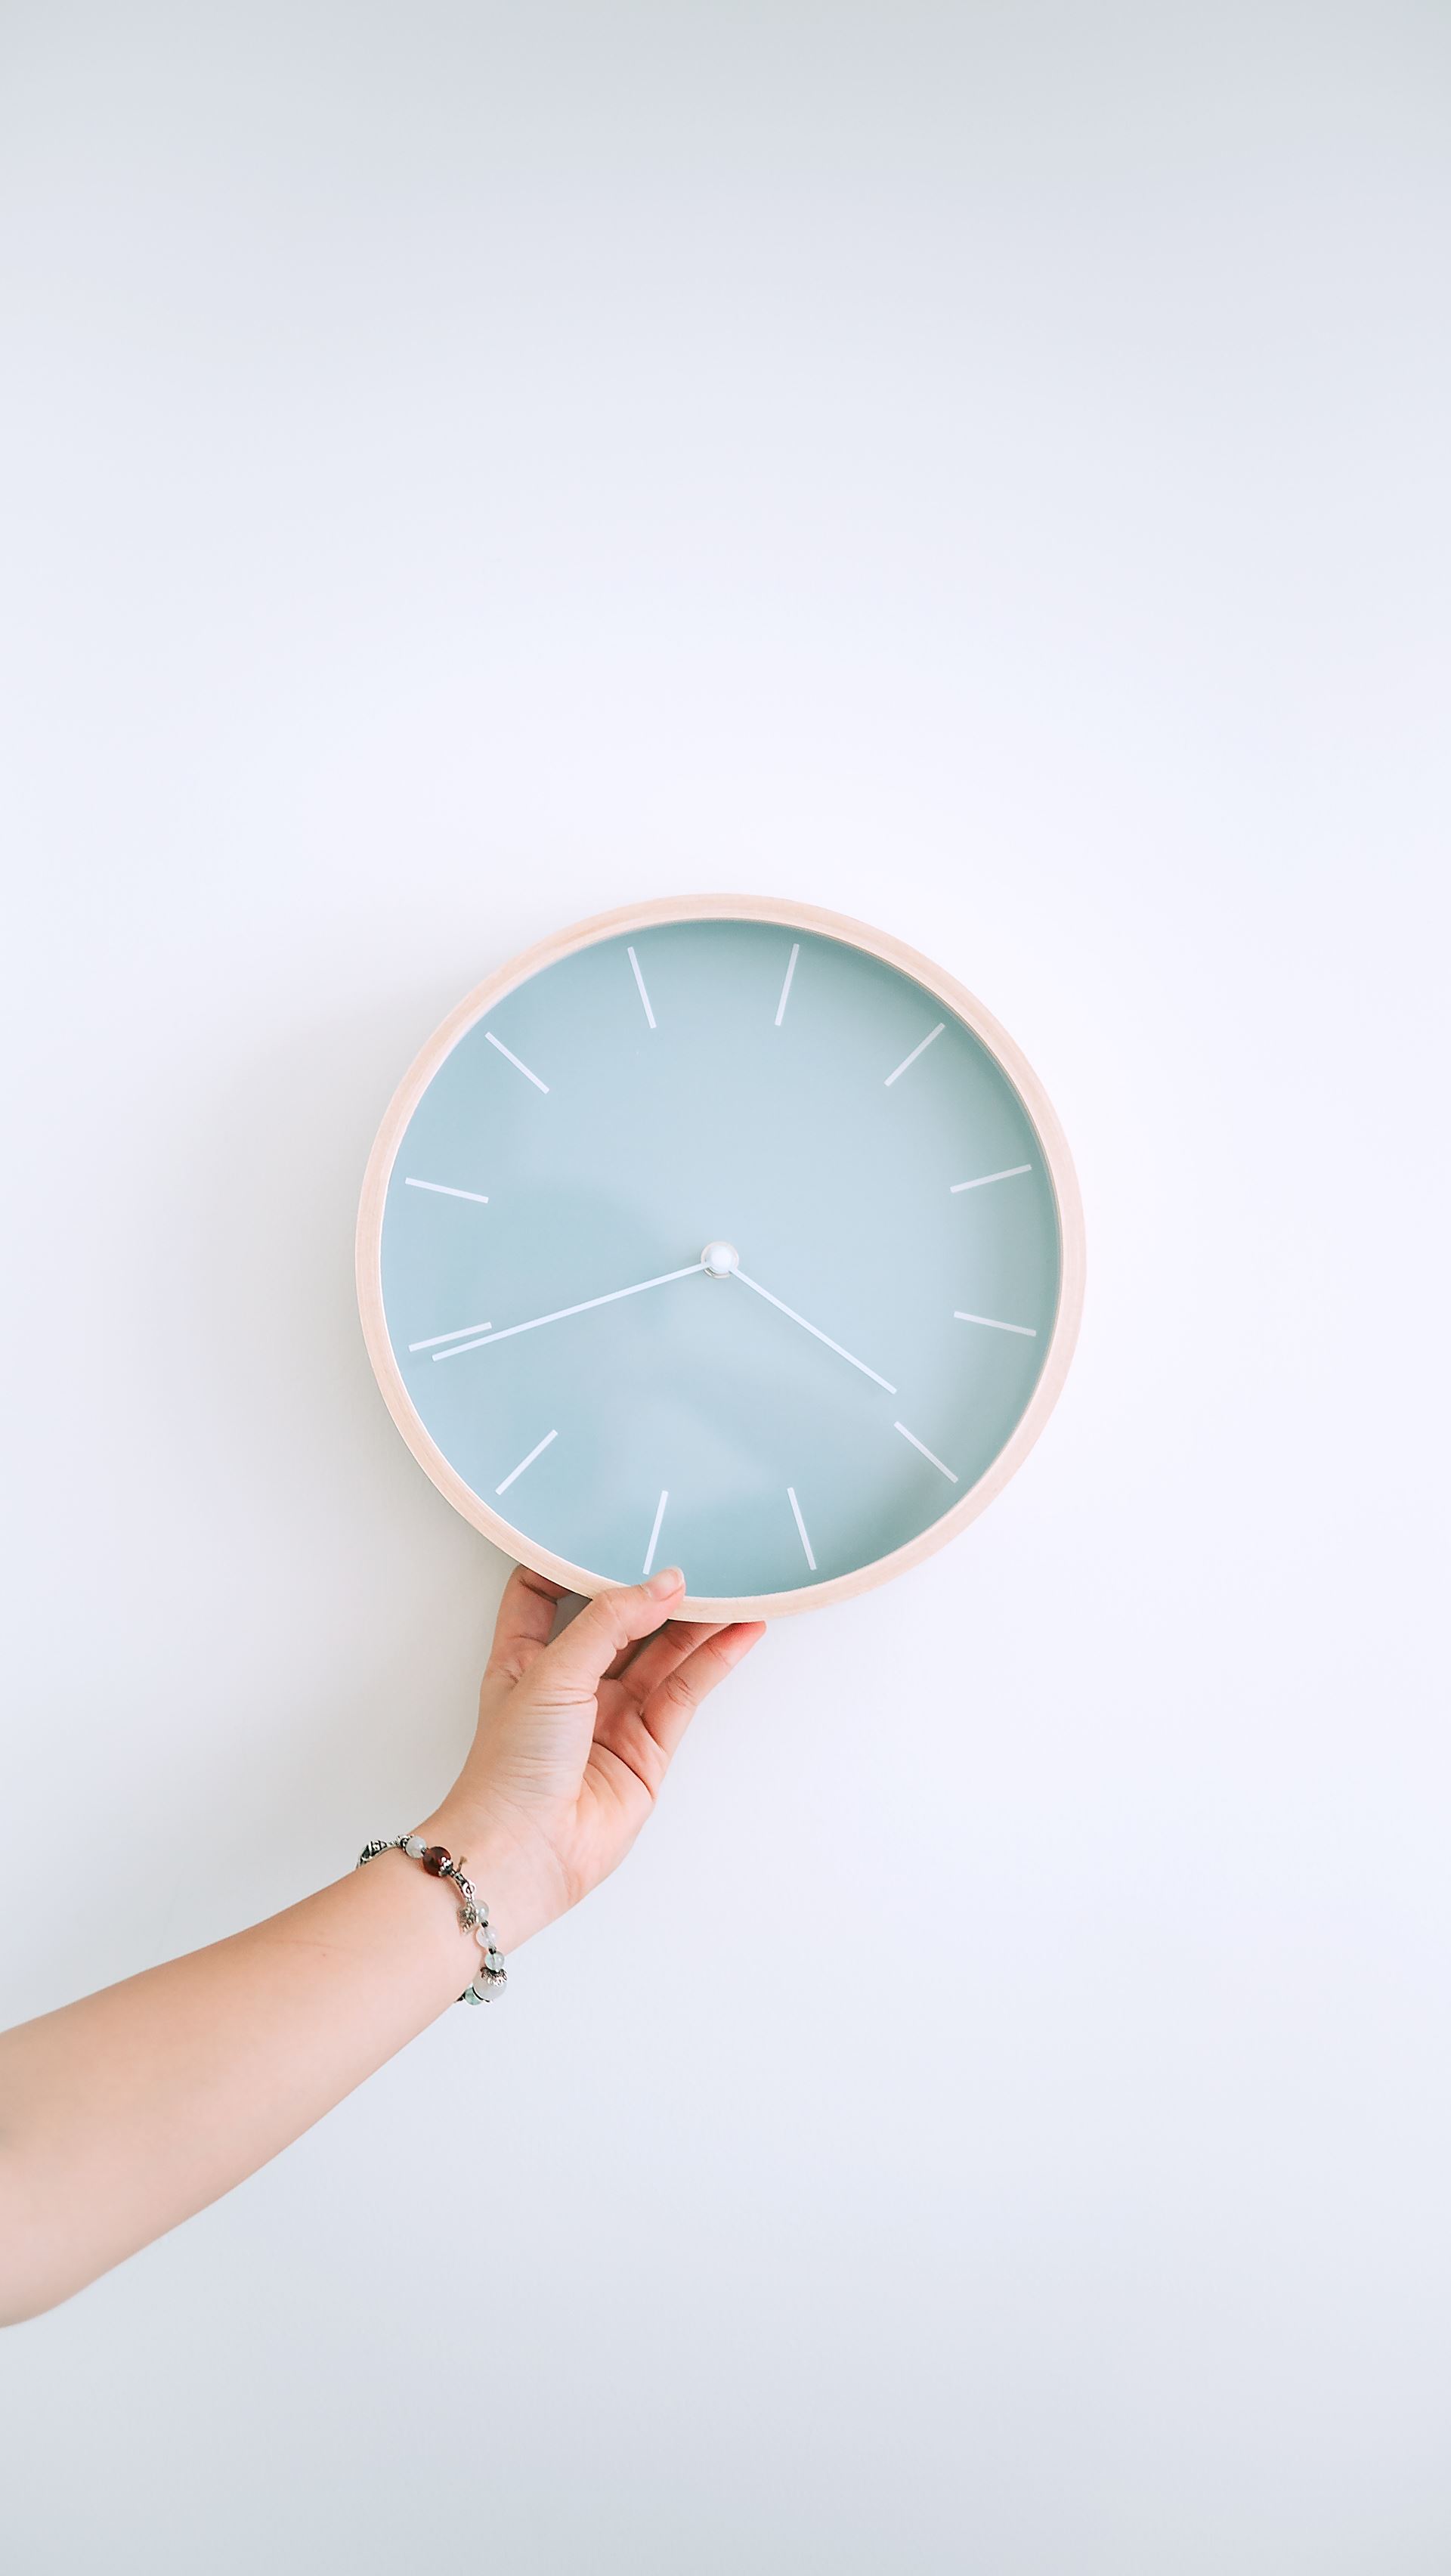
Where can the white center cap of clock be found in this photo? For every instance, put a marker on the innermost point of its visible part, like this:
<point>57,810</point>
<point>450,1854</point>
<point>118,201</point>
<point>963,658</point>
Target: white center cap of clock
<point>720,1259</point>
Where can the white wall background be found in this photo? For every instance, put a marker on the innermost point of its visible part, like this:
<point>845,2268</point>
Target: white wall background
<point>982,468</point>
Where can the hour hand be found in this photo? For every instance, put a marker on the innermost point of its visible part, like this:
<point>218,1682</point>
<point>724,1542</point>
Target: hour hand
<point>782,1308</point>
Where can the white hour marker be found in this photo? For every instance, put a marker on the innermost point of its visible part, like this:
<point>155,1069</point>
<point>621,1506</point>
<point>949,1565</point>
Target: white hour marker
<point>786,987</point>
<point>1011,1174</point>
<point>919,1049</point>
<point>515,1060</point>
<point>800,1525</point>
<point>640,981</point>
<point>445,1190</point>
<point>457,1334</point>
<point>537,1451</point>
<point>926,1452</point>
<point>655,1532</point>
<point>993,1324</point>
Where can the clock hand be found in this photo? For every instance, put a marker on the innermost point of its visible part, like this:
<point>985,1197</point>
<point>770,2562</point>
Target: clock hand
<point>810,1328</point>
<point>559,1313</point>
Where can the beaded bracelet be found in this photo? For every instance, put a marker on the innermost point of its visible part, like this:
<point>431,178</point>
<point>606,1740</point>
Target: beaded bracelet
<point>473,1913</point>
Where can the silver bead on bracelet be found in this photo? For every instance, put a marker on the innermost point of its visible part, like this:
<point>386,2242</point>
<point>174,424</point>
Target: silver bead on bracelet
<point>473,1913</point>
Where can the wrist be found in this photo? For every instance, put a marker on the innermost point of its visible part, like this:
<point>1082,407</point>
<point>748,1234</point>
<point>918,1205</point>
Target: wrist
<point>490,1849</point>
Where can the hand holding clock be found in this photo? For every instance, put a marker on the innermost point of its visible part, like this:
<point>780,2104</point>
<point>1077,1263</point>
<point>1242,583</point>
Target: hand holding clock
<point>575,1738</point>
<point>818,1074</point>
<point>131,2109</point>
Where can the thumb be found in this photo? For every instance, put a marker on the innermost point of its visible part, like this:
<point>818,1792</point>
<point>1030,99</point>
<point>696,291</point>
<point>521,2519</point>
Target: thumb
<point>575,1664</point>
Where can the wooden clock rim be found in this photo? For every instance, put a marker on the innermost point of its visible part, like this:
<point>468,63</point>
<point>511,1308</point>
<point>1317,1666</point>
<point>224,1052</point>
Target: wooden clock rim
<point>791,916</point>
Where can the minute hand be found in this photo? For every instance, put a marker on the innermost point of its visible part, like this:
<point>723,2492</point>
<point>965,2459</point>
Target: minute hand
<point>782,1308</point>
<point>502,1335</point>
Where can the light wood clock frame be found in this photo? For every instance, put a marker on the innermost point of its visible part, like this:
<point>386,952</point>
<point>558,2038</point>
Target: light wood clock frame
<point>806,918</point>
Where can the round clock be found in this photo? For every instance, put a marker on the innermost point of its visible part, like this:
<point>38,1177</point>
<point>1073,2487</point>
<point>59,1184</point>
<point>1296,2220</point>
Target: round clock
<point>724,1233</point>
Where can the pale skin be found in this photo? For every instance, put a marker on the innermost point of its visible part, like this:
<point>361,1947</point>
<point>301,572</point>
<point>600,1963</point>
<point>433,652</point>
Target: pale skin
<point>124,2113</point>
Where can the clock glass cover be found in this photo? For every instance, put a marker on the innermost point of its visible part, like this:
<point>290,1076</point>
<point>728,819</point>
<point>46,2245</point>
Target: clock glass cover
<point>719,1243</point>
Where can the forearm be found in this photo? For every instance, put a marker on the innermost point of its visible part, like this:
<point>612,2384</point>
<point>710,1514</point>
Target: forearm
<point>122,2114</point>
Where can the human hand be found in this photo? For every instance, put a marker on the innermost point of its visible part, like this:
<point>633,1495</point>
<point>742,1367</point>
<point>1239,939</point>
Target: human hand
<point>574,1739</point>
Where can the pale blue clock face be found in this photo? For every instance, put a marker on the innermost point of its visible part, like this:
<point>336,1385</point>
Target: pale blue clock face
<point>865,1186</point>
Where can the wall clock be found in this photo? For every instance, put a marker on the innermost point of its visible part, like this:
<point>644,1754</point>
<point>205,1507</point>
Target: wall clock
<point>727,1233</point>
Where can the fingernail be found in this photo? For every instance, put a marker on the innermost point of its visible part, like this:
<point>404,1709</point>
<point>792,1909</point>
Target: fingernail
<point>669,1579</point>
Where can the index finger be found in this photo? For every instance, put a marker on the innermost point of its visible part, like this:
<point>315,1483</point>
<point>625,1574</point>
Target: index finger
<point>525,1621</point>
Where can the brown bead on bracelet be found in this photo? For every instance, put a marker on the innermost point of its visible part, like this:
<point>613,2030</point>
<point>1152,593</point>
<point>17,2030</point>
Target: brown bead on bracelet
<point>473,1913</point>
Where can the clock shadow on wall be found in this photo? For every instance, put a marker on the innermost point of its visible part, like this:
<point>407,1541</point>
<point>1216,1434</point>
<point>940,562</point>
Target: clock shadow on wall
<point>714,1234</point>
